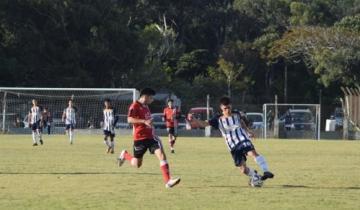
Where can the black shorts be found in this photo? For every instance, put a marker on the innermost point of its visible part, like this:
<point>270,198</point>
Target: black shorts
<point>240,151</point>
<point>36,126</point>
<point>141,146</point>
<point>109,133</point>
<point>69,126</point>
<point>171,131</point>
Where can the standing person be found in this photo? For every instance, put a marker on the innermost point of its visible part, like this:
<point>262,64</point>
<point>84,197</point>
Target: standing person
<point>47,119</point>
<point>144,138</point>
<point>235,133</point>
<point>109,126</point>
<point>35,122</point>
<point>171,114</point>
<point>69,117</point>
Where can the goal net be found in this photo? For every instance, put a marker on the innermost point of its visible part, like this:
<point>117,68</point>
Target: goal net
<point>295,121</point>
<point>16,103</point>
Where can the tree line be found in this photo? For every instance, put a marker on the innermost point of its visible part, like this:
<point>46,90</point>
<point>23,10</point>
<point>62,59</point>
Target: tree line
<point>250,49</point>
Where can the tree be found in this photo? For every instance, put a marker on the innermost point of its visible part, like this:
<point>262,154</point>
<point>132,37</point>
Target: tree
<point>333,54</point>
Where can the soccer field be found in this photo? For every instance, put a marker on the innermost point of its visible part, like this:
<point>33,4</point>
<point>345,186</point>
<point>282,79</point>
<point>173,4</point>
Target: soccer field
<point>308,175</point>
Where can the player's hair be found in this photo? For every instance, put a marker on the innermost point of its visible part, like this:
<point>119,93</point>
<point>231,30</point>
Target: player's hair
<point>147,91</point>
<point>170,100</point>
<point>70,100</point>
<point>225,101</point>
<point>107,100</point>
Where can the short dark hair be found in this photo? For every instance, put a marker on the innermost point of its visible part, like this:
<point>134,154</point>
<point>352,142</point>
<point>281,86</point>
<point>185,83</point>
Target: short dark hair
<point>147,91</point>
<point>107,100</point>
<point>170,100</point>
<point>225,101</point>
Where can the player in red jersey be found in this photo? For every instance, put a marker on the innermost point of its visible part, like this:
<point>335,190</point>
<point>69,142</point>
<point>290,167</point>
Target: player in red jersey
<point>171,114</point>
<point>144,138</point>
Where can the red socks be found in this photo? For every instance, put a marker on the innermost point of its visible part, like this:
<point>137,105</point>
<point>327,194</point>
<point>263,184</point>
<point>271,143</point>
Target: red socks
<point>127,156</point>
<point>164,166</point>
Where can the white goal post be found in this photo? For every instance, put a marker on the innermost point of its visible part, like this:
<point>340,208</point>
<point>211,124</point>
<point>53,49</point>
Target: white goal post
<point>15,104</point>
<point>297,121</point>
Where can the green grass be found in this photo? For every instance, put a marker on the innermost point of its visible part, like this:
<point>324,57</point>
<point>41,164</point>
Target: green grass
<point>309,175</point>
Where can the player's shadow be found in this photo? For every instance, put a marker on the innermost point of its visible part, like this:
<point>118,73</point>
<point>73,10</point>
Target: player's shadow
<point>316,187</point>
<point>76,173</point>
<point>284,186</point>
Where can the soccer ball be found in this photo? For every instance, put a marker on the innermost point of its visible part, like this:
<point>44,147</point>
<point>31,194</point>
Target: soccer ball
<point>255,181</point>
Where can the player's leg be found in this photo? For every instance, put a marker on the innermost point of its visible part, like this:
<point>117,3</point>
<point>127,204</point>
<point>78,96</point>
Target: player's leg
<point>39,133</point>
<point>48,128</point>
<point>71,133</point>
<point>261,162</point>
<point>112,143</point>
<point>171,139</point>
<point>34,134</point>
<point>140,148</point>
<point>157,149</point>
<point>106,142</point>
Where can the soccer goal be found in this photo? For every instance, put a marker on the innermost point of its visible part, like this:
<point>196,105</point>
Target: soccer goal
<point>89,102</point>
<point>295,121</point>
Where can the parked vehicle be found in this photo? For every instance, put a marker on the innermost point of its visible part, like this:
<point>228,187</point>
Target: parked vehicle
<point>158,121</point>
<point>298,119</point>
<point>339,118</point>
<point>122,121</point>
<point>256,120</point>
<point>199,113</point>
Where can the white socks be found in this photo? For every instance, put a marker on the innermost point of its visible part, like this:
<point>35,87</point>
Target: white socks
<point>250,172</point>
<point>260,160</point>
<point>34,137</point>
<point>106,142</point>
<point>71,136</point>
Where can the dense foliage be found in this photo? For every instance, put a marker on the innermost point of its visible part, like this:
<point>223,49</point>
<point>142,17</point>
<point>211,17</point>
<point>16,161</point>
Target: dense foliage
<point>188,47</point>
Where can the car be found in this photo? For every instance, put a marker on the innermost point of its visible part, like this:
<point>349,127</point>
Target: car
<point>298,119</point>
<point>158,121</point>
<point>199,113</point>
<point>256,120</point>
<point>122,121</point>
<point>339,118</point>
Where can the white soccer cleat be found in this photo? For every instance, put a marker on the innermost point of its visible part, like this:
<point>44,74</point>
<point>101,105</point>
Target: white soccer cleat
<point>121,158</point>
<point>172,182</point>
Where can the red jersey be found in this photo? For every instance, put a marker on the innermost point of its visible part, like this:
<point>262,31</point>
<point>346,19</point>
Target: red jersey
<point>140,111</point>
<point>170,116</point>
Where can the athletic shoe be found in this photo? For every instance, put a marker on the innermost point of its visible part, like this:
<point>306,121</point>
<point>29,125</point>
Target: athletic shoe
<point>267,175</point>
<point>108,150</point>
<point>112,151</point>
<point>41,142</point>
<point>35,144</point>
<point>121,158</point>
<point>172,182</point>
<point>172,150</point>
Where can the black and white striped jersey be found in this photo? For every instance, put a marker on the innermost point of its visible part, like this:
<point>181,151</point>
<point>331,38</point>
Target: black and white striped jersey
<point>231,129</point>
<point>109,119</point>
<point>35,114</point>
<point>70,117</point>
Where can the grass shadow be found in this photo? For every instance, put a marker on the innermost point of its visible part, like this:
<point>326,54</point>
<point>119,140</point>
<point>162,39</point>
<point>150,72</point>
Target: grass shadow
<point>76,173</point>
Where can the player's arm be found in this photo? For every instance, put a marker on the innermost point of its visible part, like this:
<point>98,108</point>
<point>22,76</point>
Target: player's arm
<point>245,125</point>
<point>133,120</point>
<point>29,117</point>
<point>212,122</point>
<point>63,116</point>
<point>133,117</point>
<point>116,117</point>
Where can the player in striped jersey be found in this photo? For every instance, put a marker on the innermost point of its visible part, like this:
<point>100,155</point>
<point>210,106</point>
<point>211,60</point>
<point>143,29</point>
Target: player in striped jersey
<point>35,122</point>
<point>109,126</point>
<point>236,135</point>
<point>69,117</point>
